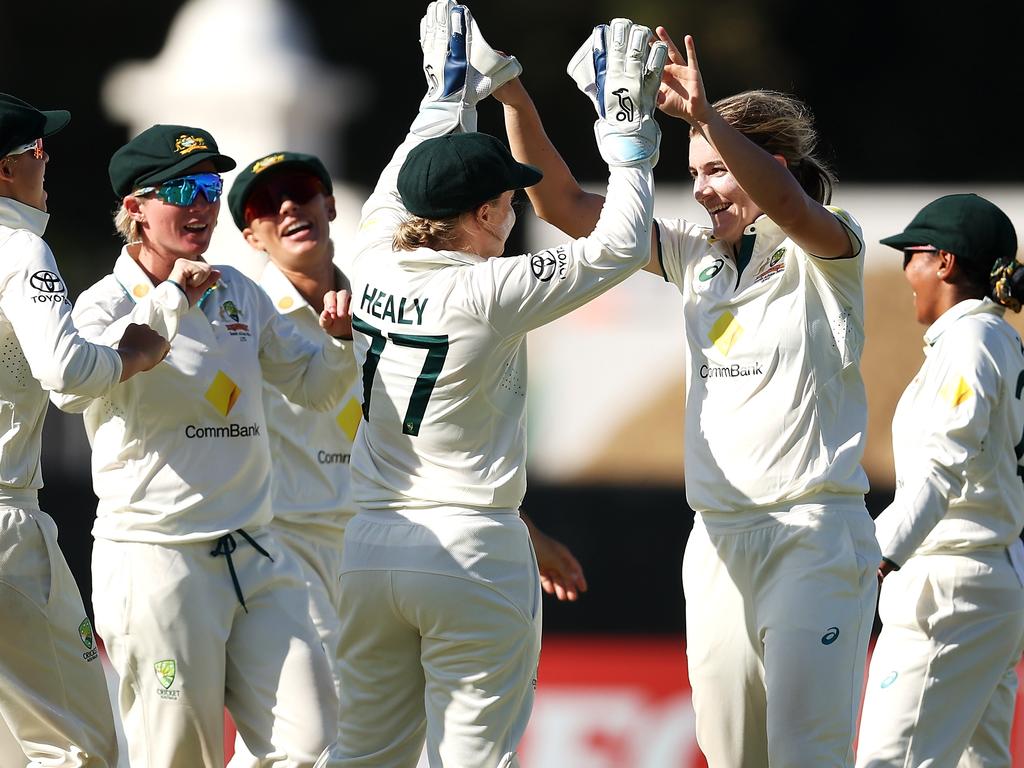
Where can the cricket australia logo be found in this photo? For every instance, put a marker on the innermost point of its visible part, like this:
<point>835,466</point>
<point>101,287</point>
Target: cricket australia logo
<point>627,109</point>
<point>186,144</point>
<point>85,633</point>
<point>166,670</point>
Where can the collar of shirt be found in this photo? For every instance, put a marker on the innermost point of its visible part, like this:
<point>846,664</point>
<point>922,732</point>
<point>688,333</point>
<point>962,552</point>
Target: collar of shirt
<point>759,238</point>
<point>427,258</point>
<point>954,313</point>
<point>17,215</point>
<point>281,291</point>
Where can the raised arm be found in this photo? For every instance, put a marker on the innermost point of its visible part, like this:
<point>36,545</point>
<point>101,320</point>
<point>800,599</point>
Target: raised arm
<point>558,198</point>
<point>770,184</point>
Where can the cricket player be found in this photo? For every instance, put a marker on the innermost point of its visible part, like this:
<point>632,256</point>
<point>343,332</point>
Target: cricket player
<point>198,603</point>
<point>53,696</point>
<point>283,204</point>
<point>440,595</point>
<point>778,573</point>
<point>942,684</point>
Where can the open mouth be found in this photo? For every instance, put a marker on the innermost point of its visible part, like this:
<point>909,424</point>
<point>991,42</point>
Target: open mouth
<point>196,228</point>
<point>296,228</point>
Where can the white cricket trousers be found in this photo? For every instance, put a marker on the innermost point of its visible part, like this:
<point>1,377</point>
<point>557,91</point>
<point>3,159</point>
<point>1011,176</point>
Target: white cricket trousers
<point>53,696</point>
<point>440,638</point>
<point>184,647</point>
<point>943,679</point>
<point>318,554</point>
<point>779,611</point>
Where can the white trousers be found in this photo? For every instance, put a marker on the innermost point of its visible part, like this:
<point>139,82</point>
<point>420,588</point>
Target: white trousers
<point>53,696</point>
<point>318,554</point>
<point>778,618</point>
<point>184,648</point>
<point>943,680</point>
<point>440,640</point>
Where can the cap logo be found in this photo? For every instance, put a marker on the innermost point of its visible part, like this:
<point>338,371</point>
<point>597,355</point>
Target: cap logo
<point>186,144</point>
<point>266,162</point>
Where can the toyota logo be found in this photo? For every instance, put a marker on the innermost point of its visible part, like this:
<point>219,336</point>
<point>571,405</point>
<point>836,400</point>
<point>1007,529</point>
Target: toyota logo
<point>46,281</point>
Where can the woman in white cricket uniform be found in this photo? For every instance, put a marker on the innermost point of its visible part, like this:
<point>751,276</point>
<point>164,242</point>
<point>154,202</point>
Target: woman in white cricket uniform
<point>778,573</point>
<point>943,680</point>
<point>283,204</point>
<point>53,696</point>
<point>197,602</point>
<point>440,595</point>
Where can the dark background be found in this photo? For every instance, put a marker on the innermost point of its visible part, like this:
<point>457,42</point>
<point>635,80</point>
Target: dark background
<point>901,91</point>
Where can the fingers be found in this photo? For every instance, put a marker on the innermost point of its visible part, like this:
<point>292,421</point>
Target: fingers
<point>674,54</point>
<point>343,301</point>
<point>331,304</point>
<point>691,51</point>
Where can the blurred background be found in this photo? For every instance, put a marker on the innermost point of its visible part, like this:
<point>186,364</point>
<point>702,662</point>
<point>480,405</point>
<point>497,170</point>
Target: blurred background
<point>911,103</point>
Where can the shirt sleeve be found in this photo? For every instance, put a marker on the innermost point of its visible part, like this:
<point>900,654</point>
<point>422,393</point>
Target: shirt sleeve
<point>312,375</point>
<point>962,401</point>
<point>383,211</point>
<point>35,301</point>
<point>519,293</point>
<point>846,275</point>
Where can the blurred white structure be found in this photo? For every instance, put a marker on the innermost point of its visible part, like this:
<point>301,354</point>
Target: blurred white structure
<point>246,71</point>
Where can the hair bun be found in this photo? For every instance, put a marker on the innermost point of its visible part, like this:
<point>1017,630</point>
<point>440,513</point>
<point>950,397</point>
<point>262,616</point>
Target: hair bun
<point>1007,279</point>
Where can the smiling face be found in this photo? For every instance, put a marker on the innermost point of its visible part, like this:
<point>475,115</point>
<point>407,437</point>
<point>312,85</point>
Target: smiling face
<point>715,188</point>
<point>170,232</point>
<point>296,233</point>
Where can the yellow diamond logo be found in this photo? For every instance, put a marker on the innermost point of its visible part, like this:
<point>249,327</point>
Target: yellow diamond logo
<point>725,332</point>
<point>349,416</point>
<point>956,392</point>
<point>223,393</point>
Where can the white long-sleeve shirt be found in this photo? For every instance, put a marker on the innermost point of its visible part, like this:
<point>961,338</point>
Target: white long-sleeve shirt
<point>311,450</point>
<point>958,440</point>
<point>775,405</point>
<point>441,339</point>
<point>39,346</point>
<point>181,453</point>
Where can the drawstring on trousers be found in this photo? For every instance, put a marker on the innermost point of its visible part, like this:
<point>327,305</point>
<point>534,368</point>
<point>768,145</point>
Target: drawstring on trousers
<point>225,546</point>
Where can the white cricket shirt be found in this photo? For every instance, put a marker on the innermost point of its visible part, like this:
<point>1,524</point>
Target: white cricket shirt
<point>775,404</point>
<point>312,478</point>
<point>181,453</point>
<point>441,341</point>
<point>958,439</point>
<point>39,346</point>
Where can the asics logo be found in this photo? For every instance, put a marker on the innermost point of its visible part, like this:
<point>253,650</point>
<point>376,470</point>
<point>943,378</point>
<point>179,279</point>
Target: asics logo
<point>830,636</point>
<point>627,109</point>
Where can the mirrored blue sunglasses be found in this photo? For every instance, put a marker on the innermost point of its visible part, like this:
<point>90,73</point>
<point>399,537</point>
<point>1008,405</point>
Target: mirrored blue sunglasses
<point>183,190</point>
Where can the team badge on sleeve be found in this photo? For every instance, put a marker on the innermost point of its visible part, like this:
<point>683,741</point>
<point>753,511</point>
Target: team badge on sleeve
<point>956,392</point>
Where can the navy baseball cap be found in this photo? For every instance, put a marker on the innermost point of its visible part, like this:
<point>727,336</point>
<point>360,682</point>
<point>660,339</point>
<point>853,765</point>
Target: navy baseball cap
<point>21,123</point>
<point>452,174</point>
<point>267,167</point>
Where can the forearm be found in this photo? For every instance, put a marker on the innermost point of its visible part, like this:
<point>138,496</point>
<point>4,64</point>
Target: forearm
<point>558,197</point>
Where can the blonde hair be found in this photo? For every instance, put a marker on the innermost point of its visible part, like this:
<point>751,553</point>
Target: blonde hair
<point>782,124</point>
<point>126,226</point>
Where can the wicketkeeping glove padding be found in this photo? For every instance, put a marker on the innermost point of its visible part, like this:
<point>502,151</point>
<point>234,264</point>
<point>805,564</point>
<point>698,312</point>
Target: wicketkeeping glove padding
<point>621,76</point>
<point>460,67</point>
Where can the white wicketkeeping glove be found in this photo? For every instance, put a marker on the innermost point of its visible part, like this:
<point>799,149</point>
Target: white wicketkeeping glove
<point>620,74</point>
<point>460,67</point>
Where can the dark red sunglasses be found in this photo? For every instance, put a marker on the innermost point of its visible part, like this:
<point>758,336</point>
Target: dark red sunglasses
<point>265,200</point>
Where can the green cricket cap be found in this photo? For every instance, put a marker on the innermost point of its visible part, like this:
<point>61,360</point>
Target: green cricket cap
<point>161,153</point>
<point>967,225</point>
<point>448,175</point>
<point>268,167</point>
<point>21,123</point>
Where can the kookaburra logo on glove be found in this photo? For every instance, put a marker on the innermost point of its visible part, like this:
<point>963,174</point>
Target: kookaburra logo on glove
<point>627,109</point>
<point>428,70</point>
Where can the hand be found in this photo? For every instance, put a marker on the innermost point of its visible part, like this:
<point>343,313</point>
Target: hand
<point>682,89</point>
<point>194,277</point>
<point>336,319</point>
<point>561,574</point>
<point>141,348</point>
<point>620,71</point>
<point>884,569</point>
<point>460,67</point>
